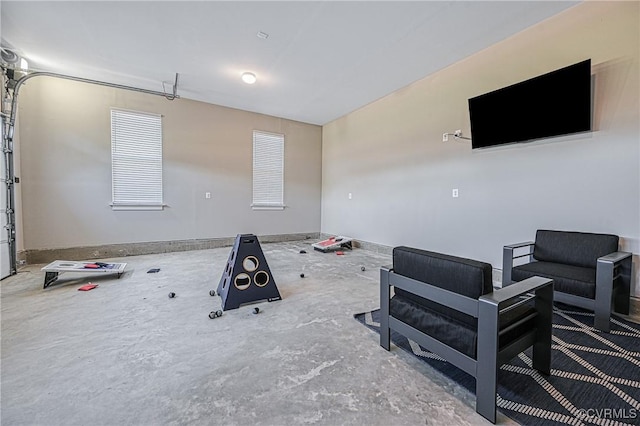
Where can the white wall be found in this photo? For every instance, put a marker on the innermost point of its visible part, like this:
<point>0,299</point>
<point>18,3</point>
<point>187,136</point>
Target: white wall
<point>65,175</point>
<point>391,157</point>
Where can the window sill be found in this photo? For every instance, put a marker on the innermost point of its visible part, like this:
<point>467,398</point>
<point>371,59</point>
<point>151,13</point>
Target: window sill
<point>267,207</point>
<point>149,207</point>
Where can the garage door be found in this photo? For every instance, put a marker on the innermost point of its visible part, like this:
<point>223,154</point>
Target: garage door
<point>5,267</point>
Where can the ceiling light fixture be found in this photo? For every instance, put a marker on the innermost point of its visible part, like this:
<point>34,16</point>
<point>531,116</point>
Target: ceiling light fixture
<point>249,77</point>
<point>262,35</point>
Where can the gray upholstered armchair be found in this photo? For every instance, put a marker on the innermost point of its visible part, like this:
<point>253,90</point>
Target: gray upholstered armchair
<point>587,269</point>
<point>447,305</point>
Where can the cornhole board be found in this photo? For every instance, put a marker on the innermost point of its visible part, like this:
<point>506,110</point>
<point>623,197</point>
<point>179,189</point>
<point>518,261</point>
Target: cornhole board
<point>57,267</point>
<point>333,243</point>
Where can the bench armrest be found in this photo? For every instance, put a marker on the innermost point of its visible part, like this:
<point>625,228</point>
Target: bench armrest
<point>499,297</point>
<point>518,245</point>
<point>508,257</point>
<point>613,285</point>
<point>615,257</point>
<point>490,309</point>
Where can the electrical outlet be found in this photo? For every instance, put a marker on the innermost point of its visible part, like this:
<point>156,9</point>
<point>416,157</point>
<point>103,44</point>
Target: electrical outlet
<point>207,195</point>
<point>445,137</point>
<point>457,133</point>
<point>454,193</point>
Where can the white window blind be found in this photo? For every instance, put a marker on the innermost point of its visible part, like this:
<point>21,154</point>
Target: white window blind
<point>136,160</point>
<point>268,170</point>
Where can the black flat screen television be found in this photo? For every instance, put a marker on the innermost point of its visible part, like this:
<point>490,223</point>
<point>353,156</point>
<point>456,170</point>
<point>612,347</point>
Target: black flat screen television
<point>553,104</point>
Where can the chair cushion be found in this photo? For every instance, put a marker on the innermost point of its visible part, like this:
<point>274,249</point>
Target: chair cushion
<point>573,248</point>
<point>453,333</point>
<point>463,276</point>
<point>449,331</point>
<point>566,278</point>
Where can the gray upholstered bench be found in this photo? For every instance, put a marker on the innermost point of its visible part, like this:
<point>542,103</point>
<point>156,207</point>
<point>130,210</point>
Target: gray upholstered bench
<point>587,269</point>
<point>447,305</point>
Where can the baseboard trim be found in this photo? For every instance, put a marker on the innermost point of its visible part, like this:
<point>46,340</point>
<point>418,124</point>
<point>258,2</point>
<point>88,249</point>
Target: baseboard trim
<point>36,256</point>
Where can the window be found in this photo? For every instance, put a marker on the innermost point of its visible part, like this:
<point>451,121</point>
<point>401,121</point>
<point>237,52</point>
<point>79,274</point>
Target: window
<point>136,160</point>
<point>268,171</point>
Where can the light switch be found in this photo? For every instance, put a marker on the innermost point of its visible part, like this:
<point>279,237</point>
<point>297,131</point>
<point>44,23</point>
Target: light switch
<point>207,195</point>
<point>350,196</point>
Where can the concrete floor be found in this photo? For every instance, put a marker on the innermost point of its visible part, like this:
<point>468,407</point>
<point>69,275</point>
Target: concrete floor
<point>124,353</point>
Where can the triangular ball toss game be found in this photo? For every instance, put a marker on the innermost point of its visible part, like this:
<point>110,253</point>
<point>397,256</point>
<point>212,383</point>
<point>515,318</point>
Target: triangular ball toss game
<point>247,277</point>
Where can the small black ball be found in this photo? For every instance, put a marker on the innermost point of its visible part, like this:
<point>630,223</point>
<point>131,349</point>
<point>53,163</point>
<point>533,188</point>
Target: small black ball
<point>303,252</point>
<point>256,310</point>
<point>212,293</point>
<point>218,313</point>
<point>212,315</point>
<point>301,275</point>
<point>172,295</point>
<point>362,268</point>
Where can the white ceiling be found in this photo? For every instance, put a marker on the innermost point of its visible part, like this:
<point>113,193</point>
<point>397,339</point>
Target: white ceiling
<point>321,60</point>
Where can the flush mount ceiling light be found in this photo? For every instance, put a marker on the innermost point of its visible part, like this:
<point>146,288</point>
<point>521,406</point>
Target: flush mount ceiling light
<point>262,35</point>
<point>249,77</point>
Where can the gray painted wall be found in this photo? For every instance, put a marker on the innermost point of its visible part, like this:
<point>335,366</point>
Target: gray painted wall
<point>390,156</point>
<point>65,187</point>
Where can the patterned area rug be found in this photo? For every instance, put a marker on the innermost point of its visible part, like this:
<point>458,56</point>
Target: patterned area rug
<point>595,377</point>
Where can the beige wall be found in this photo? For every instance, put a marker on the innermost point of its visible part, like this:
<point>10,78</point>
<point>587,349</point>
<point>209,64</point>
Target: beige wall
<point>66,171</point>
<point>391,157</point>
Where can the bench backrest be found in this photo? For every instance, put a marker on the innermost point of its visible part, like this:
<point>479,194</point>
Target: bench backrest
<point>463,276</point>
<point>573,248</point>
